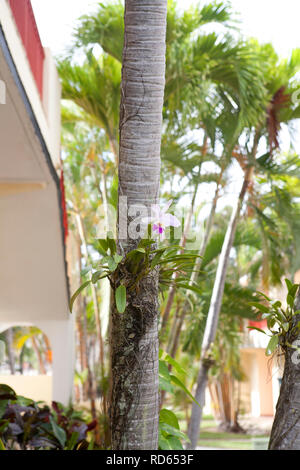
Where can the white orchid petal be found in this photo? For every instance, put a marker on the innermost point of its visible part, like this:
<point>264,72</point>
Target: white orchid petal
<point>169,220</point>
<point>167,206</point>
<point>155,211</point>
<point>147,220</point>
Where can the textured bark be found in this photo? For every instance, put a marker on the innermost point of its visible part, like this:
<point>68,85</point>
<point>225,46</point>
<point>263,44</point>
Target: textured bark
<point>134,334</point>
<point>214,312</point>
<point>285,434</point>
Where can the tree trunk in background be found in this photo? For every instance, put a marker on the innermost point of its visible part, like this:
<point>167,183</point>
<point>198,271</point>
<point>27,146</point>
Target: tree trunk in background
<point>42,369</point>
<point>225,403</point>
<point>285,434</point>
<point>179,318</point>
<point>172,290</point>
<point>80,315</point>
<point>134,334</point>
<point>48,349</point>
<point>81,232</point>
<point>10,350</point>
<point>213,314</point>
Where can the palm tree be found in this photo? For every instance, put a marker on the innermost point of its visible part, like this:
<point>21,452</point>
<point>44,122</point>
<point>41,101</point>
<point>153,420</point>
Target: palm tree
<point>134,334</point>
<point>277,112</point>
<point>95,88</point>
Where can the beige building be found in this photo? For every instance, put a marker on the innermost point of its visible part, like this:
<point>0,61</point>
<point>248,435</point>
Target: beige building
<point>34,287</point>
<point>260,390</point>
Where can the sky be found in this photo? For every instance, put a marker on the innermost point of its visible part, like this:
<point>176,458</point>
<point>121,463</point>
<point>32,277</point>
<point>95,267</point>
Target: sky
<point>275,21</point>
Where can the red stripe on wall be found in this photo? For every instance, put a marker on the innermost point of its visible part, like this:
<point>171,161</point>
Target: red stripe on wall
<point>26,24</point>
<point>63,204</point>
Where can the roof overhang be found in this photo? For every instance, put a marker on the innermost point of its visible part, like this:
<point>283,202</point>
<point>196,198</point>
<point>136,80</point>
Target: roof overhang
<point>33,272</point>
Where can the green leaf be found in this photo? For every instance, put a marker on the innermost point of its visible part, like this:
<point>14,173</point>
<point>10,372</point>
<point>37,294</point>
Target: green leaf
<point>74,296</point>
<point>165,385</point>
<point>271,322</point>
<point>264,295</point>
<point>175,364</point>
<point>174,443</point>
<point>163,370</point>
<point>111,243</point>
<point>72,441</point>
<point>86,271</point>
<point>3,405</point>
<point>173,431</point>
<point>257,329</point>
<point>286,326</point>
<point>117,258</point>
<point>97,275</point>
<point>58,432</point>
<point>2,446</point>
<point>102,246</point>
<point>120,296</point>
<point>7,393</point>
<point>289,285</point>
<point>260,307</point>
<point>290,300</point>
<point>293,290</point>
<point>167,416</point>
<point>276,304</point>
<point>109,260</point>
<point>164,443</point>
<point>91,444</point>
<point>273,343</point>
<point>178,382</point>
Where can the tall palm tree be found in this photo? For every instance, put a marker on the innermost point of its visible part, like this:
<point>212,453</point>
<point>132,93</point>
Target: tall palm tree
<point>94,87</point>
<point>278,110</point>
<point>134,334</point>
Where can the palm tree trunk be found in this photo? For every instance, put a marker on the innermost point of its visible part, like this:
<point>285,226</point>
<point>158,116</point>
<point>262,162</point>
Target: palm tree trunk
<point>94,295</point>
<point>179,319</point>
<point>134,334</point>
<point>80,318</point>
<point>42,369</point>
<point>10,350</point>
<point>285,434</point>
<point>213,314</point>
<point>48,349</point>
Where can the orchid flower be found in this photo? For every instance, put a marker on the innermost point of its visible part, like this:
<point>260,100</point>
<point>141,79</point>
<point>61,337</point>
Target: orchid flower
<point>161,219</point>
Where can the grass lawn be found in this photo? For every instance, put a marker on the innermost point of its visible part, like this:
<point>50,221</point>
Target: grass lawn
<point>210,437</point>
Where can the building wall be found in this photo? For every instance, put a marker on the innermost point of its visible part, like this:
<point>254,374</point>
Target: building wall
<point>260,390</point>
<point>37,387</point>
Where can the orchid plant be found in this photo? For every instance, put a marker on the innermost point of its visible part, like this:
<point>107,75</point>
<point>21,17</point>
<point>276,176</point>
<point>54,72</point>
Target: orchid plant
<point>161,219</point>
<point>282,321</point>
<point>138,263</point>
